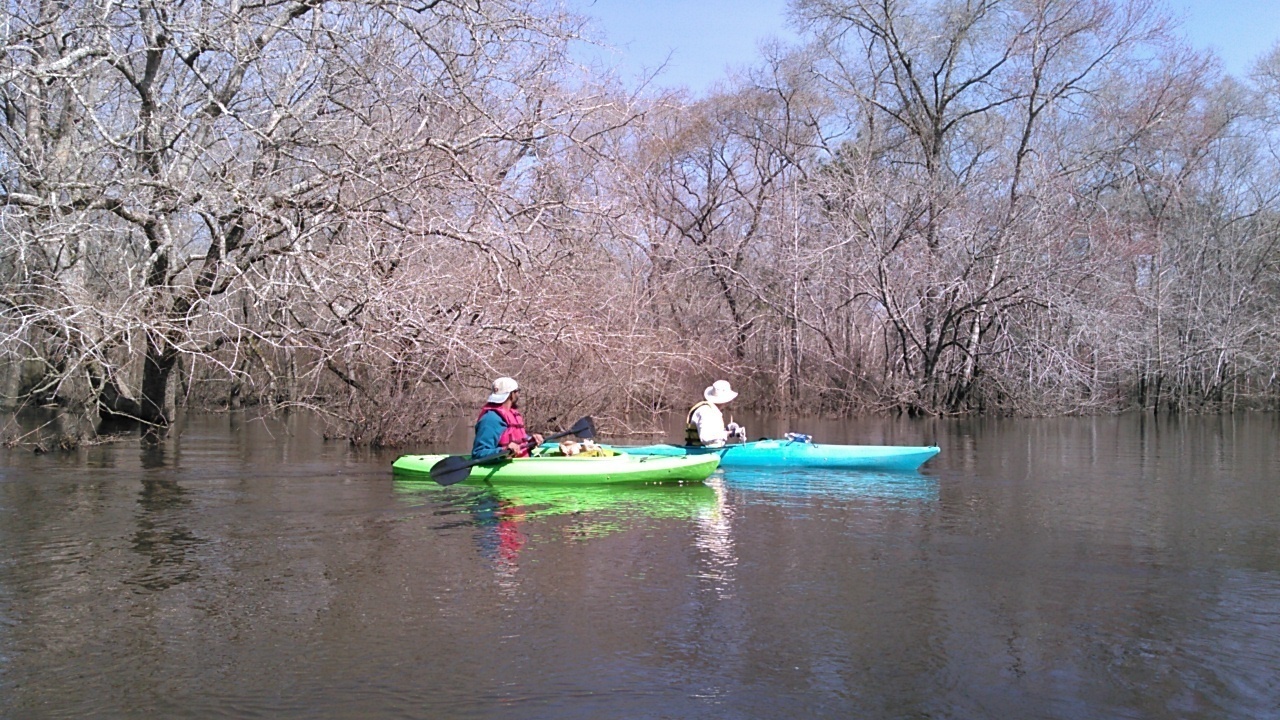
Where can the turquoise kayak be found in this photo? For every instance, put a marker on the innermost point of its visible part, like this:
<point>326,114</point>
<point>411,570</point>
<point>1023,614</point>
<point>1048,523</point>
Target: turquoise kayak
<point>618,467</point>
<point>800,454</point>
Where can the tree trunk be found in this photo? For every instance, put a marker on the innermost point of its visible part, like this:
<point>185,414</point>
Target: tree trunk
<point>159,362</point>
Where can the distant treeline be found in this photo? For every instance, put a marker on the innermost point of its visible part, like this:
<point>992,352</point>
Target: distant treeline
<point>373,208</point>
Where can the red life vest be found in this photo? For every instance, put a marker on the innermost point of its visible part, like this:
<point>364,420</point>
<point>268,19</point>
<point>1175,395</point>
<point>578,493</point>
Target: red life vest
<point>515,427</point>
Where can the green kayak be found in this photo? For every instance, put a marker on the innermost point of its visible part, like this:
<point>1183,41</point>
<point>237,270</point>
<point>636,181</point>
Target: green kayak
<point>577,470</point>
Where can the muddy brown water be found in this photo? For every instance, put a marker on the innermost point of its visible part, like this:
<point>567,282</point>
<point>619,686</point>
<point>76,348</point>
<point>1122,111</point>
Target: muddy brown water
<point>1116,567</point>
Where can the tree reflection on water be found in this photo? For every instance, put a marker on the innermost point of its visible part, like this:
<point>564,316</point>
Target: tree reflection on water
<point>162,535</point>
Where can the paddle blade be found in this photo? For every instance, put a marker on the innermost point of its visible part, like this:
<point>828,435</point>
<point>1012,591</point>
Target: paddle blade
<point>451,470</point>
<point>585,428</point>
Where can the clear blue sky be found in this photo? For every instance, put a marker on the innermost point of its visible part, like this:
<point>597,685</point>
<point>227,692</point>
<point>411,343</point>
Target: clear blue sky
<point>699,39</point>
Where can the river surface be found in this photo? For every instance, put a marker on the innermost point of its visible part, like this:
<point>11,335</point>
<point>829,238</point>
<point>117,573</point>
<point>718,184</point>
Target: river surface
<point>1115,567</point>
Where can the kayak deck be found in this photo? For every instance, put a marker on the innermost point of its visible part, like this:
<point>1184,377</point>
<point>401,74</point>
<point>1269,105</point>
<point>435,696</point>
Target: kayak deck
<point>620,467</point>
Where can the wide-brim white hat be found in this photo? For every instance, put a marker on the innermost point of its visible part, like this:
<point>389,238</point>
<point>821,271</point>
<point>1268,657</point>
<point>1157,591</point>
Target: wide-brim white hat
<point>719,392</point>
<point>502,388</point>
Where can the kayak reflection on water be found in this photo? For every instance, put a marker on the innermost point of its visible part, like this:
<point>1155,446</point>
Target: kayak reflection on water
<point>506,515</point>
<point>835,484</point>
<point>509,517</point>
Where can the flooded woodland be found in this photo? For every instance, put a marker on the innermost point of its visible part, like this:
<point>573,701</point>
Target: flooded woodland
<point>372,209</point>
<point>251,252</point>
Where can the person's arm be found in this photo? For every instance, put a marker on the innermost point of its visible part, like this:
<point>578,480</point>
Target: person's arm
<point>710,426</point>
<point>488,431</point>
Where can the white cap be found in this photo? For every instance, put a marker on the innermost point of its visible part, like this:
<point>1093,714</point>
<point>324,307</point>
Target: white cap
<point>502,387</point>
<point>719,392</point>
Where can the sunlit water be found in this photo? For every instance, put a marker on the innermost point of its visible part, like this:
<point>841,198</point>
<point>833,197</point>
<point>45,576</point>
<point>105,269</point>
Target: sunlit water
<point>1080,568</point>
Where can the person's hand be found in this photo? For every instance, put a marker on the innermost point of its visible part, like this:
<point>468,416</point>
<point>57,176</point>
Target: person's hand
<point>537,439</point>
<point>514,447</point>
<point>736,430</point>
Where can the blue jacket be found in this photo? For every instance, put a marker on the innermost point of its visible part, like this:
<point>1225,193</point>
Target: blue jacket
<point>489,429</point>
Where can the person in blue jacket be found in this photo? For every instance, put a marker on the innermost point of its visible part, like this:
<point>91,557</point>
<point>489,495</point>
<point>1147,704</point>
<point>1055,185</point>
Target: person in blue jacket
<point>500,426</point>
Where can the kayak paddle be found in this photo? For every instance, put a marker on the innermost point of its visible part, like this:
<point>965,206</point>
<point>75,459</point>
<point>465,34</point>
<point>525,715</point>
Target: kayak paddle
<point>456,468</point>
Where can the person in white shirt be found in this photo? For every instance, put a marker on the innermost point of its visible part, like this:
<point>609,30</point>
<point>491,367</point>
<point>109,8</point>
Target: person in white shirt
<point>704,425</point>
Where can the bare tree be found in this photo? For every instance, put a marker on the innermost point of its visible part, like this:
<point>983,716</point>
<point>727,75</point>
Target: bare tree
<point>264,190</point>
<point>957,109</point>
